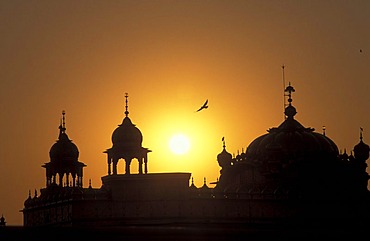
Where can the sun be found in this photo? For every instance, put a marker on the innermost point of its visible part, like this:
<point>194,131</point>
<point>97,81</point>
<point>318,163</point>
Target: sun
<point>179,144</point>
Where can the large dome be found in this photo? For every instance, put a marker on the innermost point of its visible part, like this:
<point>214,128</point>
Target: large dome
<point>290,156</point>
<point>127,134</point>
<point>291,141</point>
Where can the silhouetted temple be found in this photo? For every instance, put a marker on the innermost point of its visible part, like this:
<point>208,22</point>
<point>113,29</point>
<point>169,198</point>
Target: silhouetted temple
<point>290,173</point>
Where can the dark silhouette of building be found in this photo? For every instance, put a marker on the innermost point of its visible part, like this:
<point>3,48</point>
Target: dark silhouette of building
<point>2,221</point>
<point>290,174</point>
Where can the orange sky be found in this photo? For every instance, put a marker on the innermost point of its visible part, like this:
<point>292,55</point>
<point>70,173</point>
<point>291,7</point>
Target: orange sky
<point>170,56</point>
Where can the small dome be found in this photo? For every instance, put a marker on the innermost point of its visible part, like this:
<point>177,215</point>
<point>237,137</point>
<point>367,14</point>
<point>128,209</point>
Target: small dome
<point>224,158</point>
<point>361,150</point>
<point>127,134</point>
<point>64,149</point>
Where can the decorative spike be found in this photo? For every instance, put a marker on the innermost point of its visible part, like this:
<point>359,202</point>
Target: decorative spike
<point>64,118</point>
<point>126,112</point>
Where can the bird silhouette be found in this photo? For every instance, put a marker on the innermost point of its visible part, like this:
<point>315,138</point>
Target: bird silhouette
<point>204,106</point>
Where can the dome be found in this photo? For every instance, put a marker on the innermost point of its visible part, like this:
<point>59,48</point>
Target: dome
<point>64,149</point>
<point>361,150</point>
<point>224,158</point>
<point>127,134</point>
<point>291,142</point>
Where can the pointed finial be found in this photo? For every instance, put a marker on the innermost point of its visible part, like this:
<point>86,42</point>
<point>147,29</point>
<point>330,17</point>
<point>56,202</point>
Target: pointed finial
<point>192,180</point>
<point>204,181</point>
<point>323,130</point>
<point>126,112</point>
<point>223,142</point>
<point>90,183</point>
<point>289,89</point>
<point>62,126</point>
<point>361,130</point>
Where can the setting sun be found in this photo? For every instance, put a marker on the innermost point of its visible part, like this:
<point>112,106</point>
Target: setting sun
<point>179,144</point>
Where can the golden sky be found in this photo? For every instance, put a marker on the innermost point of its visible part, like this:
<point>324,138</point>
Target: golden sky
<point>170,56</point>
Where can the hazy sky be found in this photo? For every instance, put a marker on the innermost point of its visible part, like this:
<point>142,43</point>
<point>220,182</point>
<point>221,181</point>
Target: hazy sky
<point>170,56</point>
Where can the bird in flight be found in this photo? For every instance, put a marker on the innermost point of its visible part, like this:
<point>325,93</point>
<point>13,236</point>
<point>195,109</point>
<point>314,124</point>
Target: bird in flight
<point>204,106</point>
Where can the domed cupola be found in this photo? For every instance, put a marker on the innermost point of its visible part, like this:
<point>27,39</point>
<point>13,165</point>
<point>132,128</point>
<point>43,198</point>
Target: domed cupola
<point>361,150</point>
<point>64,150</point>
<point>224,158</point>
<point>127,144</point>
<point>64,161</point>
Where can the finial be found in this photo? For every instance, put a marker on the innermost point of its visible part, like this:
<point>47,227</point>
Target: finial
<point>192,180</point>
<point>62,126</point>
<point>290,111</point>
<point>35,192</point>
<point>29,193</point>
<point>204,181</point>
<point>90,183</point>
<point>323,130</point>
<point>223,142</point>
<point>289,89</point>
<point>126,112</point>
<point>361,130</point>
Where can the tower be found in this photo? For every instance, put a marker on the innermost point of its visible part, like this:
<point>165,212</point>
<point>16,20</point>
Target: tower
<point>127,145</point>
<point>64,161</point>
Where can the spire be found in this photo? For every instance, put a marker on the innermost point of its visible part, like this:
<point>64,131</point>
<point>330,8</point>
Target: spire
<point>283,67</point>
<point>126,112</point>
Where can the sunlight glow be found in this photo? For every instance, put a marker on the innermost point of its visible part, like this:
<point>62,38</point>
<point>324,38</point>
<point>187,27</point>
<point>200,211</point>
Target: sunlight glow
<point>179,144</point>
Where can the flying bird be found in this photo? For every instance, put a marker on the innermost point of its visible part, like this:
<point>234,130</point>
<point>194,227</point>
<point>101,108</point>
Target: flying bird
<point>204,106</point>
